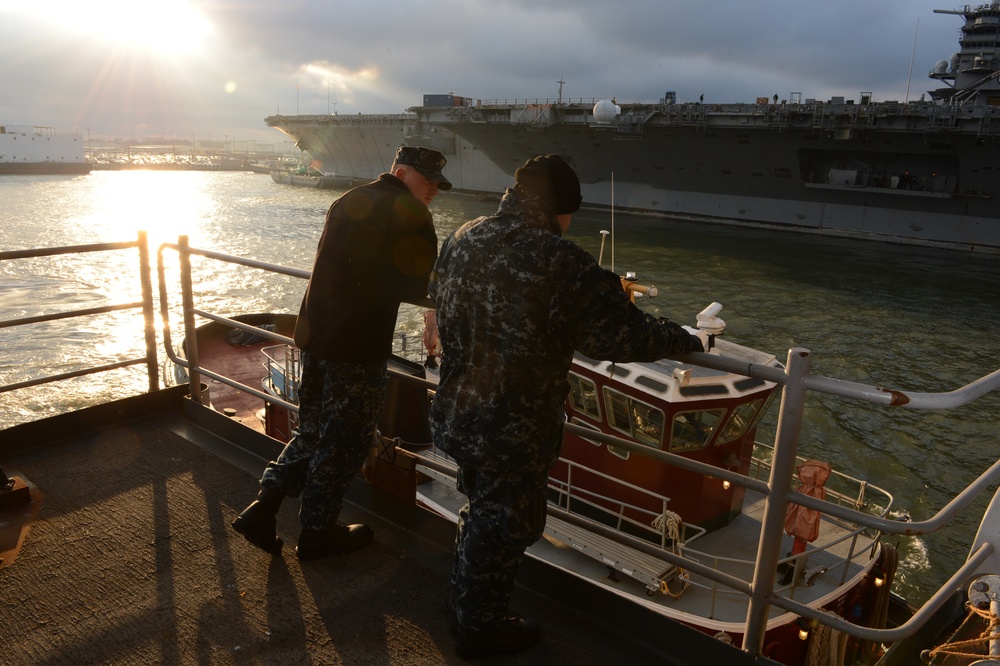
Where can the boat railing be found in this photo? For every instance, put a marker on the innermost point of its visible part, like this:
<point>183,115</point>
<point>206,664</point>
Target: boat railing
<point>797,381</point>
<point>540,101</point>
<point>190,361</point>
<point>841,115</point>
<point>141,245</point>
<point>617,511</point>
<point>283,365</point>
<point>841,488</point>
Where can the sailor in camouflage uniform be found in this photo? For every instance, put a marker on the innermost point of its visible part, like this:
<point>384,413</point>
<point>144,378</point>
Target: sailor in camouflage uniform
<point>377,249</point>
<point>514,300</point>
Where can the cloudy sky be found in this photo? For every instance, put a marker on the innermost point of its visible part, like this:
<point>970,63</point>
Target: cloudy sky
<point>217,68</point>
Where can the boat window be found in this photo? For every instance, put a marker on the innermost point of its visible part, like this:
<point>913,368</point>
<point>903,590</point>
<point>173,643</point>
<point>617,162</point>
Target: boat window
<point>650,383</point>
<point>745,385</point>
<point>587,360</point>
<point>693,430</point>
<point>739,421</point>
<point>763,411</point>
<point>583,396</point>
<point>641,421</point>
<point>702,390</point>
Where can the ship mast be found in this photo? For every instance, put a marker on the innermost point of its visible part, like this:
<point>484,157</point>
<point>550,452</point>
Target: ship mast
<point>913,54</point>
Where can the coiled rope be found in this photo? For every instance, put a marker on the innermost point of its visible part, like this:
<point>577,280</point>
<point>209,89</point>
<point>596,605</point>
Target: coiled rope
<point>669,523</point>
<point>672,522</point>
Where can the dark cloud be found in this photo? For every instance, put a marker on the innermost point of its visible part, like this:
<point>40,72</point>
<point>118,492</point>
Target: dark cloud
<point>381,56</point>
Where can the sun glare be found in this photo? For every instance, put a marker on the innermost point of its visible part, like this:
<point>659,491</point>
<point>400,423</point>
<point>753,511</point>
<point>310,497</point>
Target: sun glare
<point>165,204</point>
<point>164,27</point>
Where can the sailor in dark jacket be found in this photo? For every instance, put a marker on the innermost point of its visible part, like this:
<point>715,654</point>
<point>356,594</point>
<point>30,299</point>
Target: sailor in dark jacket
<point>377,249</point>
<point>514,300</point>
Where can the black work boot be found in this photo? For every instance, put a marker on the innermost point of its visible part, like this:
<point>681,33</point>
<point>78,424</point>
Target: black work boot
<point>257,522</point>
<point>314,544</point>
<point>512,634</point>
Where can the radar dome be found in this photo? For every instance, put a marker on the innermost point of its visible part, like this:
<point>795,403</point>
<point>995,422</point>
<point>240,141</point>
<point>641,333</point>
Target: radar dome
<point>605,111</point>
<point>954,62</point>
<point>941,66</point>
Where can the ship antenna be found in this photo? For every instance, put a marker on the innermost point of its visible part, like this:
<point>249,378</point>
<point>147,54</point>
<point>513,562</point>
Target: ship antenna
<point>612,221</point>
<point>912,56</point>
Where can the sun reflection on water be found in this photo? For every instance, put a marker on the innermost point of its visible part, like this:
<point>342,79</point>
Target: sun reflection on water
<point>163,204</point>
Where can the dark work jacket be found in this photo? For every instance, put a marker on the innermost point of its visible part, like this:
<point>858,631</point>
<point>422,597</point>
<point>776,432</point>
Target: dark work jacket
<point>377,249</point>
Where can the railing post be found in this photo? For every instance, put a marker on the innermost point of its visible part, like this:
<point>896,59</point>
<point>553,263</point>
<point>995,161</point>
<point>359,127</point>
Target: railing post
<point>786,444</point>
<point>190,334</point>
<point>148,316</point>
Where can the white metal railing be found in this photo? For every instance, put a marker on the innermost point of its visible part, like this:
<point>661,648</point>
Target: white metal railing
<point>567,493</point>
<point>616,511</point>
<point>141,244</point>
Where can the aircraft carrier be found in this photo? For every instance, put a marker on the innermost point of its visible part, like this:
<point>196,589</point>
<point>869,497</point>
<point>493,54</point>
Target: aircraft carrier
<point>920,172</point>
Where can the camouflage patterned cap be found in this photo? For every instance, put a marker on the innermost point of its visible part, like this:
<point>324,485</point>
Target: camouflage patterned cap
<point>426,161</point>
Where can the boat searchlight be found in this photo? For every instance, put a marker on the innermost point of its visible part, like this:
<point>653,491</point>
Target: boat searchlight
<point>709,322</point>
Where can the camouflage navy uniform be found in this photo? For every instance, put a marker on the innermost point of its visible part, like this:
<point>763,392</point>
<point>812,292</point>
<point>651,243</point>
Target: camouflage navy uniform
<point>377,249</point>
<point>514,300</point>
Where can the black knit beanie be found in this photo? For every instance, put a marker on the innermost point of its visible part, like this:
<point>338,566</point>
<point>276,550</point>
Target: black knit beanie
<point>553,180</point>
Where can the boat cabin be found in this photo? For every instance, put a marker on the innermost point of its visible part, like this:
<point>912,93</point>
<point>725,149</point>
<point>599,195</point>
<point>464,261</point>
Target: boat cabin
<point>701,414</point>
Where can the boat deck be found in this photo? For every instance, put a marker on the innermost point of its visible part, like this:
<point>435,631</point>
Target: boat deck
<point>129,559</point>
<point>215,346</point>
<point>731,549</point>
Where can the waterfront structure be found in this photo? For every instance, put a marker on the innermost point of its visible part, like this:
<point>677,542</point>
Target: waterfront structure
<point>38,150</point>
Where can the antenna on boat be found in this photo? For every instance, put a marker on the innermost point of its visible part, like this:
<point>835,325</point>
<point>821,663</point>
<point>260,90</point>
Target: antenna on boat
<point>600,257</point>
